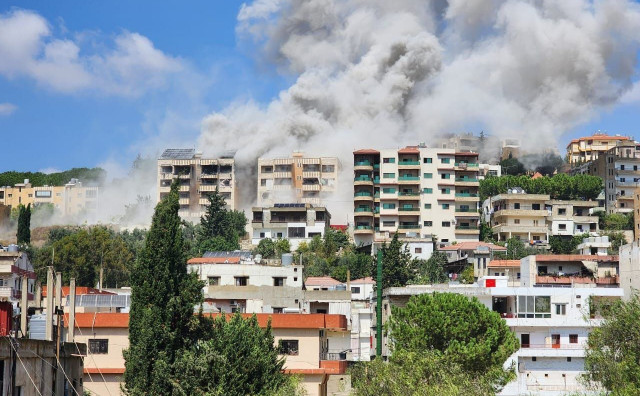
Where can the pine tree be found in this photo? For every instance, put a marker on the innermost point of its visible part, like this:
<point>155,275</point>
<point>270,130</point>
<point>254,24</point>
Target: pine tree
<point>163,297</point>
<point>220,228</point>
<point>397,267</point>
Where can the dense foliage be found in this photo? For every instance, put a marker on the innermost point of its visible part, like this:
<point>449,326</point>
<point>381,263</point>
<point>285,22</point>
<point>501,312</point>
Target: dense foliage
<point>239,359</point>
<point>268,248</point>
<point>162,323</point>
<point>443,344</point>
<point>37,179</point>
<point>397,268</point>
<point>517,250</point>
<point>23,234</point>
<point>432,270</point>
<point>565,244</point>
<point>612,358</point>
<point>615,221</point>
<point>220,229</point>
<point>560,186</point>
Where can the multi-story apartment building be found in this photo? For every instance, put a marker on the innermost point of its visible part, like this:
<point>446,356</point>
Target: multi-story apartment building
<point>521,215</point>
<point>296,179</point>
<point>534,217</point>
<point>198,177</point>
<point>478,254</point>
<point>305,340</point>
<point>589,148</point>
<point>419,193</point>
<point>552,323</point>
<point>14,265</point>
<point>296,222</point>
<point>71,199</point>
<point>619,168</point>
<point>510,148</point>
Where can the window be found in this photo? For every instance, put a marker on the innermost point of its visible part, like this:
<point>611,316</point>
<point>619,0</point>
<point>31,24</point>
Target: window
<point>568,360</point>
<point>445,206</point>
<point>278,310</point>
<point>278,281</point>
<point>533,359</point>
<point>516,221</point>
<point>427,160</point>
<point>242,280</point>
<point>98,346</point>
<point>263,182</point>
<point>388,223</point>
<point>355,290</point>
<point>388,206</point>
<point>561,309</point>
<point>428,175</point>
<point>573,338</point>
<point>445,176</point>
<point>43,194</point>
<point>535,206</point>
<point>262,234</point>
<point>296,232</point>
<point>562,211</point>
<point>388,175</point>
<point>428,223</point>
<point>389,160</point>
<point>562,227</point>
<point>446,224</point>
<point>213,280</point>
<point>427,206</point>
<point>418,250</point>
<point>389,190</point>
<point>534,306</point>
<point>445,160</point>
<point>288,347</point>
<point>427,190</point>
<point>446,190</point>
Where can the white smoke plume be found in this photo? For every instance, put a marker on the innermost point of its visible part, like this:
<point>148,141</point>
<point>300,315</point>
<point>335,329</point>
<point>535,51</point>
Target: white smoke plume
<point>375,73</point>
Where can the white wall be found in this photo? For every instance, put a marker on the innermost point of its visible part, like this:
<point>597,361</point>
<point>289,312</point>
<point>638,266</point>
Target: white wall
<point>259,275</point>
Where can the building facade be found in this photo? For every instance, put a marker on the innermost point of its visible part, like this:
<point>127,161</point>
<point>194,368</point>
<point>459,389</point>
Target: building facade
<point>419,193</point>
<point>295,222</point>
<point>14,266</point>
<point>552,323</point>
<point>296,179</point>
<point>198,177</point>
<point>589,148</point>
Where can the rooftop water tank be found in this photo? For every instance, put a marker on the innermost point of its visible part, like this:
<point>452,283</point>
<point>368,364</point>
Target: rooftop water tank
<point>12,248</point>
<point>287,259</point>
<point>37,326</point>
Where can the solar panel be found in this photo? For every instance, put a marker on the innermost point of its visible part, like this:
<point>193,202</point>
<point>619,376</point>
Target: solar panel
<point>235,253</point>
<point>178,154</point>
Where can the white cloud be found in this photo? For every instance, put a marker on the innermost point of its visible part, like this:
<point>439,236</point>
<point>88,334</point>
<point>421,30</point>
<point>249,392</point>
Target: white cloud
<point>49,170</point>
<point>129,66</point>
<point>7,109</point>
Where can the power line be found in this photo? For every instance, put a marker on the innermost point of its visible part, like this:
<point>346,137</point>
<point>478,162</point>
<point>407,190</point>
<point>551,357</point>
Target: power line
<point>23,366</point>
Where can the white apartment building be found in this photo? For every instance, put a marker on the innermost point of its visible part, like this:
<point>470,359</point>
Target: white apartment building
<point>198,177</point>
<point>14,265</point>
<point>552,323</point>
<point>416,192</point>
<point>296,222</point>
<point>572,217</point>
<point>296,179</point>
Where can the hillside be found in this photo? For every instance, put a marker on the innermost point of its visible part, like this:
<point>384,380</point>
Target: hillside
<point>86,175</point>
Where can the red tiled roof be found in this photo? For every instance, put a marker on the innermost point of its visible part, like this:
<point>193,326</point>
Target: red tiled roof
<point>541,258</point>
<point>473,246</point>
<point>504,264</point>
<point>99,319</point>
<point>409,150</point>
<point>366,151</point>
<point>536,175</point>
<point>79,290</point>
<point>214,260</point>
<point>368,280</point>
<point>321,281</point>
<point>598,137</point>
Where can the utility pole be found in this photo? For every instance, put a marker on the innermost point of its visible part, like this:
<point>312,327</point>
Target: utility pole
<point>379,306</point>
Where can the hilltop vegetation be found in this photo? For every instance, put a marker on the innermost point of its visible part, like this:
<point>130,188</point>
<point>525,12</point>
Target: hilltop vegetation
<point>560,186</point>
<point>37,179</point>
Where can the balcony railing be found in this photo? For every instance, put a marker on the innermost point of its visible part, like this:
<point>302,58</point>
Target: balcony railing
<point>552,346</point>
<point>409,178</point>
<point>466,210</point>
<point>466,164</point>
<point>357,210</point>
<point>333,355</point>
<point>409,209</point>
<point>467,227</point>
<point>362,194</point>
<point>363,178</point>
<point>362,163</point>
<point>408,194</point>
<point>409,163</point>
<point>408,226</point>
<point>364,227</point>
<point>466,179</point>
<point>466,195</point>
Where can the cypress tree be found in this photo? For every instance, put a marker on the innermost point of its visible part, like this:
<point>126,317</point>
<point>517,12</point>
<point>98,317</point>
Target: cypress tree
<point>27,224</point>
<point>163,297</point>
<point>20,234</point>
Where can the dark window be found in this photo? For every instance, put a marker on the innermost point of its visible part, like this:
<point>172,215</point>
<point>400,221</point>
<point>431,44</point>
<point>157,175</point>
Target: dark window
<point>562,211</point>
<point>278,310</point>
<point>446,224</point>
<point>296,232</point>
<point>355,290</point>
<point>98,346</point>
<point>573,338</point>
<point>278,281</point>
<point>242,280</point>
<point>418,250</point>
<point>214,280</point>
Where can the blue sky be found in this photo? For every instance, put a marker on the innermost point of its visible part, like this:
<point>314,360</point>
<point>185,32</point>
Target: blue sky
<point>57,119</point>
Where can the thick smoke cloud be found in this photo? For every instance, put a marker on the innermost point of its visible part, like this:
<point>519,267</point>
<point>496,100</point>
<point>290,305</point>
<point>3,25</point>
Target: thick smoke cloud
<point>375,73</point>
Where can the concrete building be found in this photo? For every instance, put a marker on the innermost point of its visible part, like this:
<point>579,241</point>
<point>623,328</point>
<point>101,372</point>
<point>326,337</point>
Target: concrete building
<point>552,323</point>
<point>306,342</point>
<point>72,199</point>
<point>15,265</point>
<point>520,215</point>
<point>621,177</point>
<point>361,319</point>
<point>595,246</point>
<point>296,179</point>
<point>488,170</point>
<point>571,218</point>
<point>198,177</point>
<point>589,148</point>
<point>636,214</point>
<point>478,254</point>
<point>418,193</point>
<point>630,268</point>
<point>296,222</point>
<point>510,149</point>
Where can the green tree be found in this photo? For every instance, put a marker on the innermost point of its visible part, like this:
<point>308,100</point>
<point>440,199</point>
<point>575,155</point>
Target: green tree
<point>266,248</point>
<point>162,324</point>
<point>219,228</point>
<point>458,329</point>
<point>612,358</point>
<point>240,359</point>
<point>396,264</point>
<point>511,166</point>
<point>282,246</point>
<point>617,239</point>
<point>432,270</point>
<point>565,244</point>
<point>467,275</point>
<point>618,221</point>
<point>23,235</point>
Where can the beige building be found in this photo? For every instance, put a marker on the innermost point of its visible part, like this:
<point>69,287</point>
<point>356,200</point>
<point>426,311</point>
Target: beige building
<point>71,199</point>
<point>297,179</point>
<point>572,217</point>
<point>636,214</point>
<point>589,148</point>
<point>418,193</point>
<point>303,339</point>
<point>198,177</point>
<point>520,215</point>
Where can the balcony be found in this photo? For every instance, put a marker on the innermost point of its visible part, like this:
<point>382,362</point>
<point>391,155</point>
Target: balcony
<point>311,187</point>
<point>7,292</point>
<point>465,165</point>
<point>467,230</point>
<point>363,229</point>
<point>521,213</point>
<point>409,164</point>
<point>362,180</point>
<point>414,226</point>
<point>466,182</point>
<point>470,211</point>
<point>363,196</point>
<point>409,209</point>
<point>358,210</point>
<point>467,197</point>
<point>207,187</point>
<point>408,179</point>
<point>363,165</point>
<point>184,201</point>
